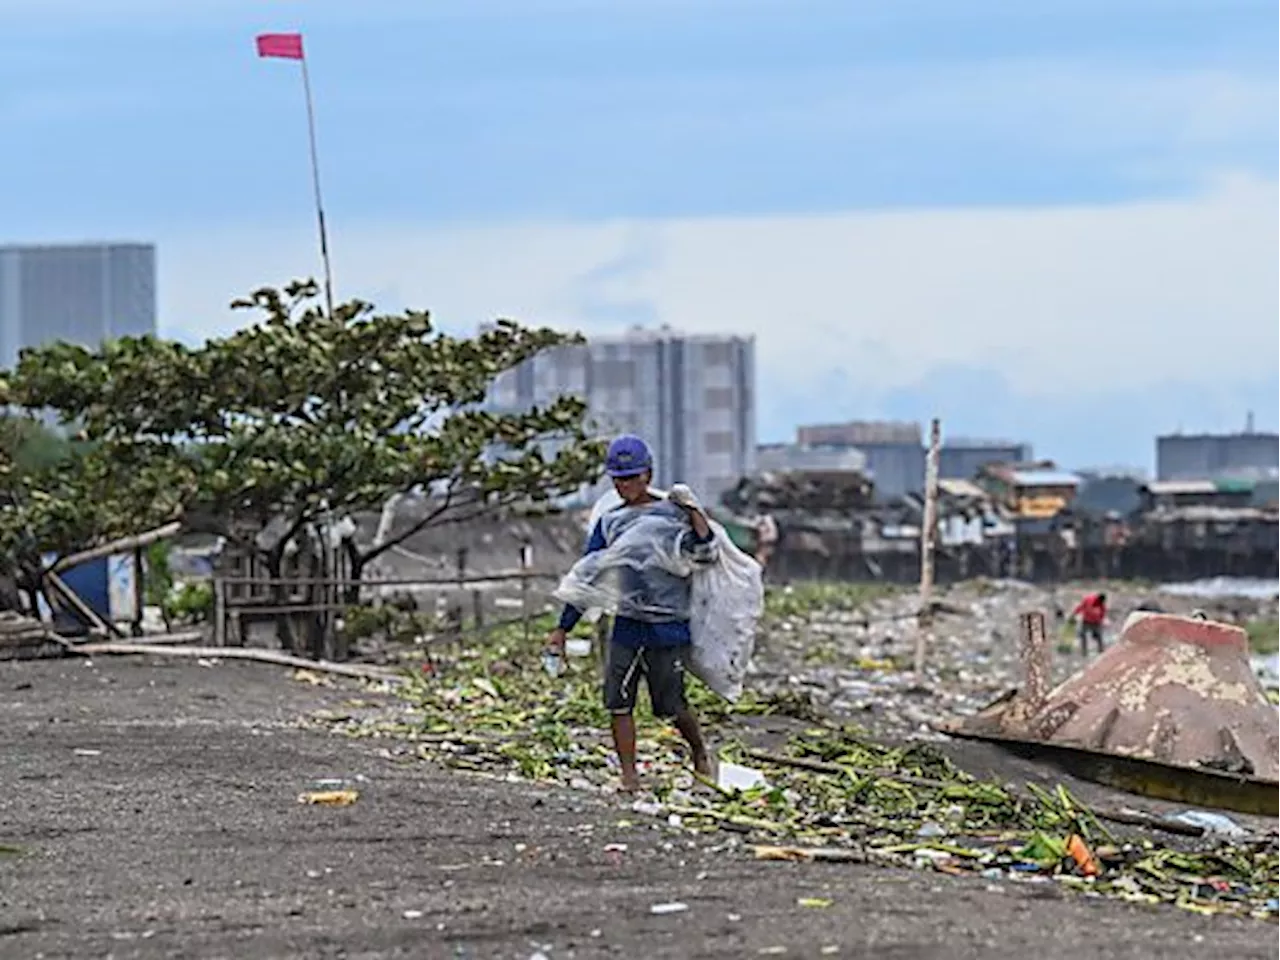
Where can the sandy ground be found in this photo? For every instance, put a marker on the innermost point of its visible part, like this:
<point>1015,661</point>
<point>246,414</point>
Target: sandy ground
<point>154,810</point>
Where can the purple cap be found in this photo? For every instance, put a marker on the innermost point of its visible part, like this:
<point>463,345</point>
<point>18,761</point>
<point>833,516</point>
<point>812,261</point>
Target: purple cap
<point>628,456</point>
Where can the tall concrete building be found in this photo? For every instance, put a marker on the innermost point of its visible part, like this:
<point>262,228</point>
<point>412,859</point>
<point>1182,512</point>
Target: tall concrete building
<point>962,457</point>
<point>895,452</point>
<point>1215,457</point>
<point>80,293</point>
<point>692,397</point>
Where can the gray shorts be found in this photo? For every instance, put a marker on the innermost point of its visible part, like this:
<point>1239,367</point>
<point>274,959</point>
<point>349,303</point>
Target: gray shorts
<point>663,669</point>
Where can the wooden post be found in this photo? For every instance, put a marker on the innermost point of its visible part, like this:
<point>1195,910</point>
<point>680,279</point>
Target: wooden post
<point>526,559</point>
<point>928,534</point>
<point>139,591</point>
<point>219,612</point>
<point>1034,651</point>
<point>123,545</point>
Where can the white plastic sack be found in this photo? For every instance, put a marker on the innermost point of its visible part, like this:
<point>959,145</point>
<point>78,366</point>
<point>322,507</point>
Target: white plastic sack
<point>726,596</point>
<point>639,544</point>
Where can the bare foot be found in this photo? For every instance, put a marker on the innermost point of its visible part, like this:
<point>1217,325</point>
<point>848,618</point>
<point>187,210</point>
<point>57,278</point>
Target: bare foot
<point>630,782</point>
<point>702,765</point>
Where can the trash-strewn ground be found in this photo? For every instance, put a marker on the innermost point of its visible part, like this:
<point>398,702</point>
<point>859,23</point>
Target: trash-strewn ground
<point>151,809</point>
<point>846,647</point>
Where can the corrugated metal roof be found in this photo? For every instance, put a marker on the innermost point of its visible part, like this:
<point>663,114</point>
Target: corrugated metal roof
<point>1205,512</point>
<point>1168,488</point>
<point>860,431</point>
<point>979,443</point>
<point>961,488</point>
<point>1044,478</point>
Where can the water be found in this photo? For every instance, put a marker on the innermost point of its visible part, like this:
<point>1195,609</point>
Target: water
<point>1255,588</point>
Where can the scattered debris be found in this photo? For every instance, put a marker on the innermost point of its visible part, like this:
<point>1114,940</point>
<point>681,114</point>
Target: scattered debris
<point>1208,822</point>
<point>662,909</point>
<point>733,776</point>
<point>330,798</point>
<point>826,792</point>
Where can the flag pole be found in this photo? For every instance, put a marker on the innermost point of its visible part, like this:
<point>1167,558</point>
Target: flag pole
<point>315,182</point>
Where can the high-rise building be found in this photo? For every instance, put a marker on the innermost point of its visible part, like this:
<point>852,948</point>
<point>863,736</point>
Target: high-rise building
<point>961,458</point>
<point>893,449</point>
<point>691,397</point>
<point>1217,456</point>
<point>80,293</point>
<point>895,452</point>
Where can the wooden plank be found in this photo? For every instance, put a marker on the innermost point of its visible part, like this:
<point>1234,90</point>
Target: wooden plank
<point>239,653</point>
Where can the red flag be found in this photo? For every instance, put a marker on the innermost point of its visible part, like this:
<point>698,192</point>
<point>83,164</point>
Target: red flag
<point>286,45</point>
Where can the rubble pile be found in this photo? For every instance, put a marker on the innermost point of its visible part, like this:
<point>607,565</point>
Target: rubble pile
<point>809,492</point>
<point>850,648</point>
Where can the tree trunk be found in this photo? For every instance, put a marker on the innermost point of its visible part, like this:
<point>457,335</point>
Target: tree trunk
<point>355,572</point>
<point>313,620</point>
<point>29,585</point>
<point>285,633</point>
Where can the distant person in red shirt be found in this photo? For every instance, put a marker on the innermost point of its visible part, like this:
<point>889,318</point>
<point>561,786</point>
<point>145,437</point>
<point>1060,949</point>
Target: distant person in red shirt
<point>1092,611</point>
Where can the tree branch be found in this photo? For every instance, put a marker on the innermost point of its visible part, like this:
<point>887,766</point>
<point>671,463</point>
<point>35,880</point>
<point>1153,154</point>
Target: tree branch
<point>379,549</point>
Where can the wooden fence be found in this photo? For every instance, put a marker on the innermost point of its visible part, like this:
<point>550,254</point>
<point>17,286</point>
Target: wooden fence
<point>240,601</point>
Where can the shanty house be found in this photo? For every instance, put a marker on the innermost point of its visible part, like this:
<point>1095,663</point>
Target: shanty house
<point>1033,491</point>
<point>1161,495</point>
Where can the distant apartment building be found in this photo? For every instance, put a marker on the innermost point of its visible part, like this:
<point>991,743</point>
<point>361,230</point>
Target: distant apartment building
<point>895,453</point>
<point>963,458</point>
<point>79,293</point>
<point>794,458</point>
<point>692,397</point>
<point>1217,456</point>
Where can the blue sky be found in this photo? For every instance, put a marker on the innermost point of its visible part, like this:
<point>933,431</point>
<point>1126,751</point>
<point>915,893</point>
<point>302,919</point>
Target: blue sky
<point>594,164</point>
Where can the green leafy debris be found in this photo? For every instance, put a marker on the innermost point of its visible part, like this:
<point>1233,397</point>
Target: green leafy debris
<point>493,708</point>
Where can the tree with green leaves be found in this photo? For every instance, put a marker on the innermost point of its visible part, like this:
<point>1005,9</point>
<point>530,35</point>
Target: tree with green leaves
<point>61,497</point>
<point>29,444</point>
<point>306,415</point>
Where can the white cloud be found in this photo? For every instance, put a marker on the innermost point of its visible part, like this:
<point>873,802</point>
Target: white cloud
<point>1055,299</point>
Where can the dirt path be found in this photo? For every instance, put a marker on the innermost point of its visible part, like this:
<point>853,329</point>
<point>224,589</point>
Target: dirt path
<point>155,807</point>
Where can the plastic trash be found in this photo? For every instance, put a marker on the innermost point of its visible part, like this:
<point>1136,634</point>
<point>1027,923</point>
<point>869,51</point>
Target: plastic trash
<point>552,663</point>
<point>733,776</point>
<point>1079,852</point>
<point>577,647</point>
<point>726,595</point>
<point>1211,823</point>
<point>329,798</point>
<point>661,909</point>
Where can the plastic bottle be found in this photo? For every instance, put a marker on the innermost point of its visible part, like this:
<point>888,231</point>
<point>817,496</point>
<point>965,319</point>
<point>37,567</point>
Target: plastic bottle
<point>552,662</point>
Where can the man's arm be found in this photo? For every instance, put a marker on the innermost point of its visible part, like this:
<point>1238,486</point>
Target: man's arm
<point>570,615</point>
<point>701,546</point>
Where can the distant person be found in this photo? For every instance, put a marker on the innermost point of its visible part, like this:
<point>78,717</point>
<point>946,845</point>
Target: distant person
<point>1092,614</point>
